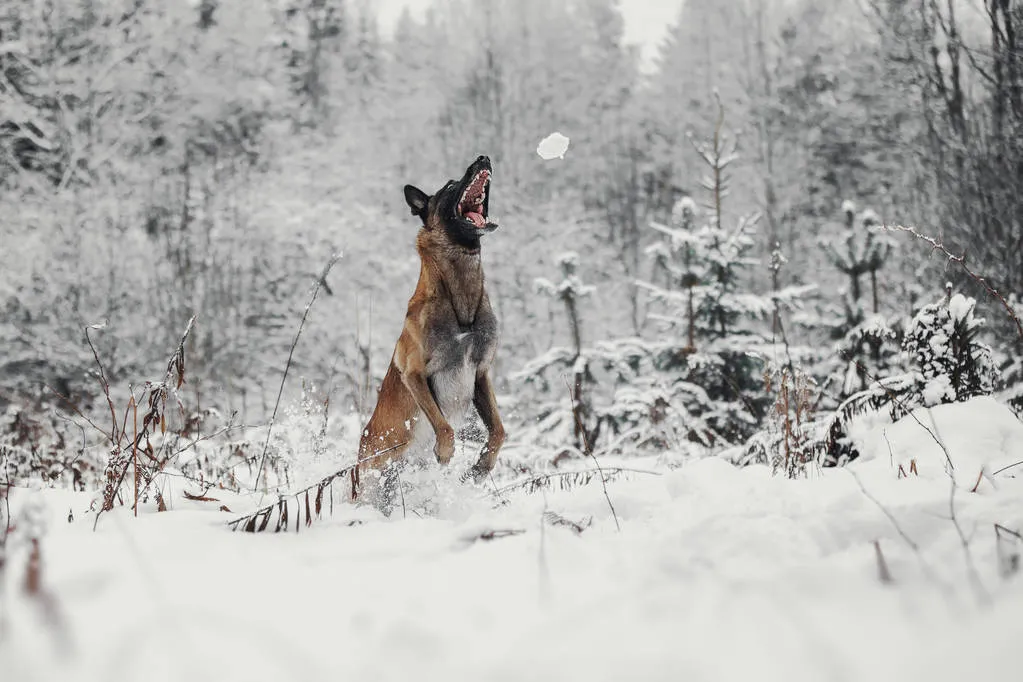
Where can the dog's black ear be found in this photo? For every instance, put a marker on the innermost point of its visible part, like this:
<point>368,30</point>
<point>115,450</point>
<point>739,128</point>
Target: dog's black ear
<point>417,200</point>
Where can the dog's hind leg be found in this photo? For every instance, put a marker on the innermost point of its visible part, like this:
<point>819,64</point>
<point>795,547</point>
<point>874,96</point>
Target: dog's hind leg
<point>486,406</point>
<point>382,487</point>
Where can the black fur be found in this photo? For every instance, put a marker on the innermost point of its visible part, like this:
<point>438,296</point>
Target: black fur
<point>445,204</point>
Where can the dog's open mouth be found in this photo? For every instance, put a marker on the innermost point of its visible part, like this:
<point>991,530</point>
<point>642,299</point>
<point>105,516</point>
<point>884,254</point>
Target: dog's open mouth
<point>473,204</point>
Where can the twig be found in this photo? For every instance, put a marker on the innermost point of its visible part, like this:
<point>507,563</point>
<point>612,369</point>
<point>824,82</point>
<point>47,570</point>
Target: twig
<point>895,524</point>
<point>960,260</point>
<point>895,398</point>
<point>207,485</point>
<point>1008,563</point>
<point>980,477</point>
<point>273,418</point>
<point>1006,468</point>
<point>971,568</point>
<point>132,405</point>
<point>891,453</point>
<point>74,408</point>
<point>493,483</point>
<point>882,566</point>
<point>589,453</point>
<point>81,451</point>
<point>210,436</point>
<point>113,435</point>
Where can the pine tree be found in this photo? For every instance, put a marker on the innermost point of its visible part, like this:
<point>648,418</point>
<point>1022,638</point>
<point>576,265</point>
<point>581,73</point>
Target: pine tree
<point>363,59</point>
<point>715,327</point>
<point>698,62</point>
<point>867,342</point>
<point>314,31</point>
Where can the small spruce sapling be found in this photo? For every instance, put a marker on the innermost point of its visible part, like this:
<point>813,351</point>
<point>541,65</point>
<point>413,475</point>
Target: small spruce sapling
<point>711,326</point>
<point>867,342</point>
<point>576,358</point>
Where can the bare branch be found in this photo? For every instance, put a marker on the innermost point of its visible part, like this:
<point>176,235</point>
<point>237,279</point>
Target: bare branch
<point>960,260</point>
<point>113,435</point>
<point>320,281</point>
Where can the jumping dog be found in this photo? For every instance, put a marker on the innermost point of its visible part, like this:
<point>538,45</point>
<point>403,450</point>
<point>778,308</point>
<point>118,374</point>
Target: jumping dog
<point>441,362</point>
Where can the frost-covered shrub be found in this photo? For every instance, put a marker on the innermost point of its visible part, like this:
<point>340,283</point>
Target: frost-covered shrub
<point>948,364</point>
<point>942,344</point>
<point>657,403</point>
<point>39,447</point>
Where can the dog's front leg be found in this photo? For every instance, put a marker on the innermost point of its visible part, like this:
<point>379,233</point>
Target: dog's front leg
<point>486,406</point>
<point>415,381</point>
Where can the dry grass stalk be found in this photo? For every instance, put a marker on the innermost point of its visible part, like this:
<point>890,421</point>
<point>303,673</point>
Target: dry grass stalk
<point>321,282</point>
<point>33,585</point>
<point>793,409</point>
<point>125,456</point>
<point>1007,547</point>
<point>259,520</point>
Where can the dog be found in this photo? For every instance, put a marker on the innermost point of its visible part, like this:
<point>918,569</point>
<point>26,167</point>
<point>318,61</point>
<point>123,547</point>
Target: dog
<point>441,362</point>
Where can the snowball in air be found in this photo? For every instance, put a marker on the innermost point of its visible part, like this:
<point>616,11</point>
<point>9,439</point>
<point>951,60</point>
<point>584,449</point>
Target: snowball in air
<point>553,146</point>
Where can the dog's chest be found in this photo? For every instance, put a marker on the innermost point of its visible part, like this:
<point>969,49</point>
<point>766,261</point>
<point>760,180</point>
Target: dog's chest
<point>453,388</point>
<point>456,357</point>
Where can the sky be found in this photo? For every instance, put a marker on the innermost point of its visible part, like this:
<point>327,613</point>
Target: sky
<point>645,20</point>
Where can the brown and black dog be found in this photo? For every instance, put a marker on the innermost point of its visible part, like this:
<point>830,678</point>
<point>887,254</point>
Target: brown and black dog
<point>442,360</point>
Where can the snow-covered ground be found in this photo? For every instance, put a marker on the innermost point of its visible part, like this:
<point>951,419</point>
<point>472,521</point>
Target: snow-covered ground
<point>717,573</point>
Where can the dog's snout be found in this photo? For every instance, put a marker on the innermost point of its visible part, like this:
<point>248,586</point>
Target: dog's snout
<point>483,159</point>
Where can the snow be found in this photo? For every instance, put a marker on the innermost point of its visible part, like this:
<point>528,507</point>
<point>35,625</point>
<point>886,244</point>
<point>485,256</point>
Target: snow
<point>980,435</point>
<point>960,307</point>
<point>938,390</point>
<point>718,573</point>
<point>553,146</point>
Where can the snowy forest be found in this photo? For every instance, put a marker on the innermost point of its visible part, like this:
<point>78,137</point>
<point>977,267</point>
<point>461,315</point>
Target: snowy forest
<point>759,355</point>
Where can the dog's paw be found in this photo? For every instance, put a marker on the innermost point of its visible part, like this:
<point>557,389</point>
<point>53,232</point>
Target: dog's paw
<point>445,448</point>
<point>476,473</point>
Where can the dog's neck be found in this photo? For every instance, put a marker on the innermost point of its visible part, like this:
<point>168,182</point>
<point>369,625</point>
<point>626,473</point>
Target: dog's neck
<point>460,270</point>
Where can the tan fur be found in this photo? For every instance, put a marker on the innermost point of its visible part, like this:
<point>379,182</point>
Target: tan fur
<point>449,330</point>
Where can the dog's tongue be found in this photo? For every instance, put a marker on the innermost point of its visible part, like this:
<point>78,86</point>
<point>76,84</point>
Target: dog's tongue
<point>477,219</point>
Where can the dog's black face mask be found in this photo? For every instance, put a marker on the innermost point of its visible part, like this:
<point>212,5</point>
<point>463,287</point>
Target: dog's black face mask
<point>460,208</point>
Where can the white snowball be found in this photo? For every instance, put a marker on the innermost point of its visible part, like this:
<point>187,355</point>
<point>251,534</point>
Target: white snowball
<point>553,146</point>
